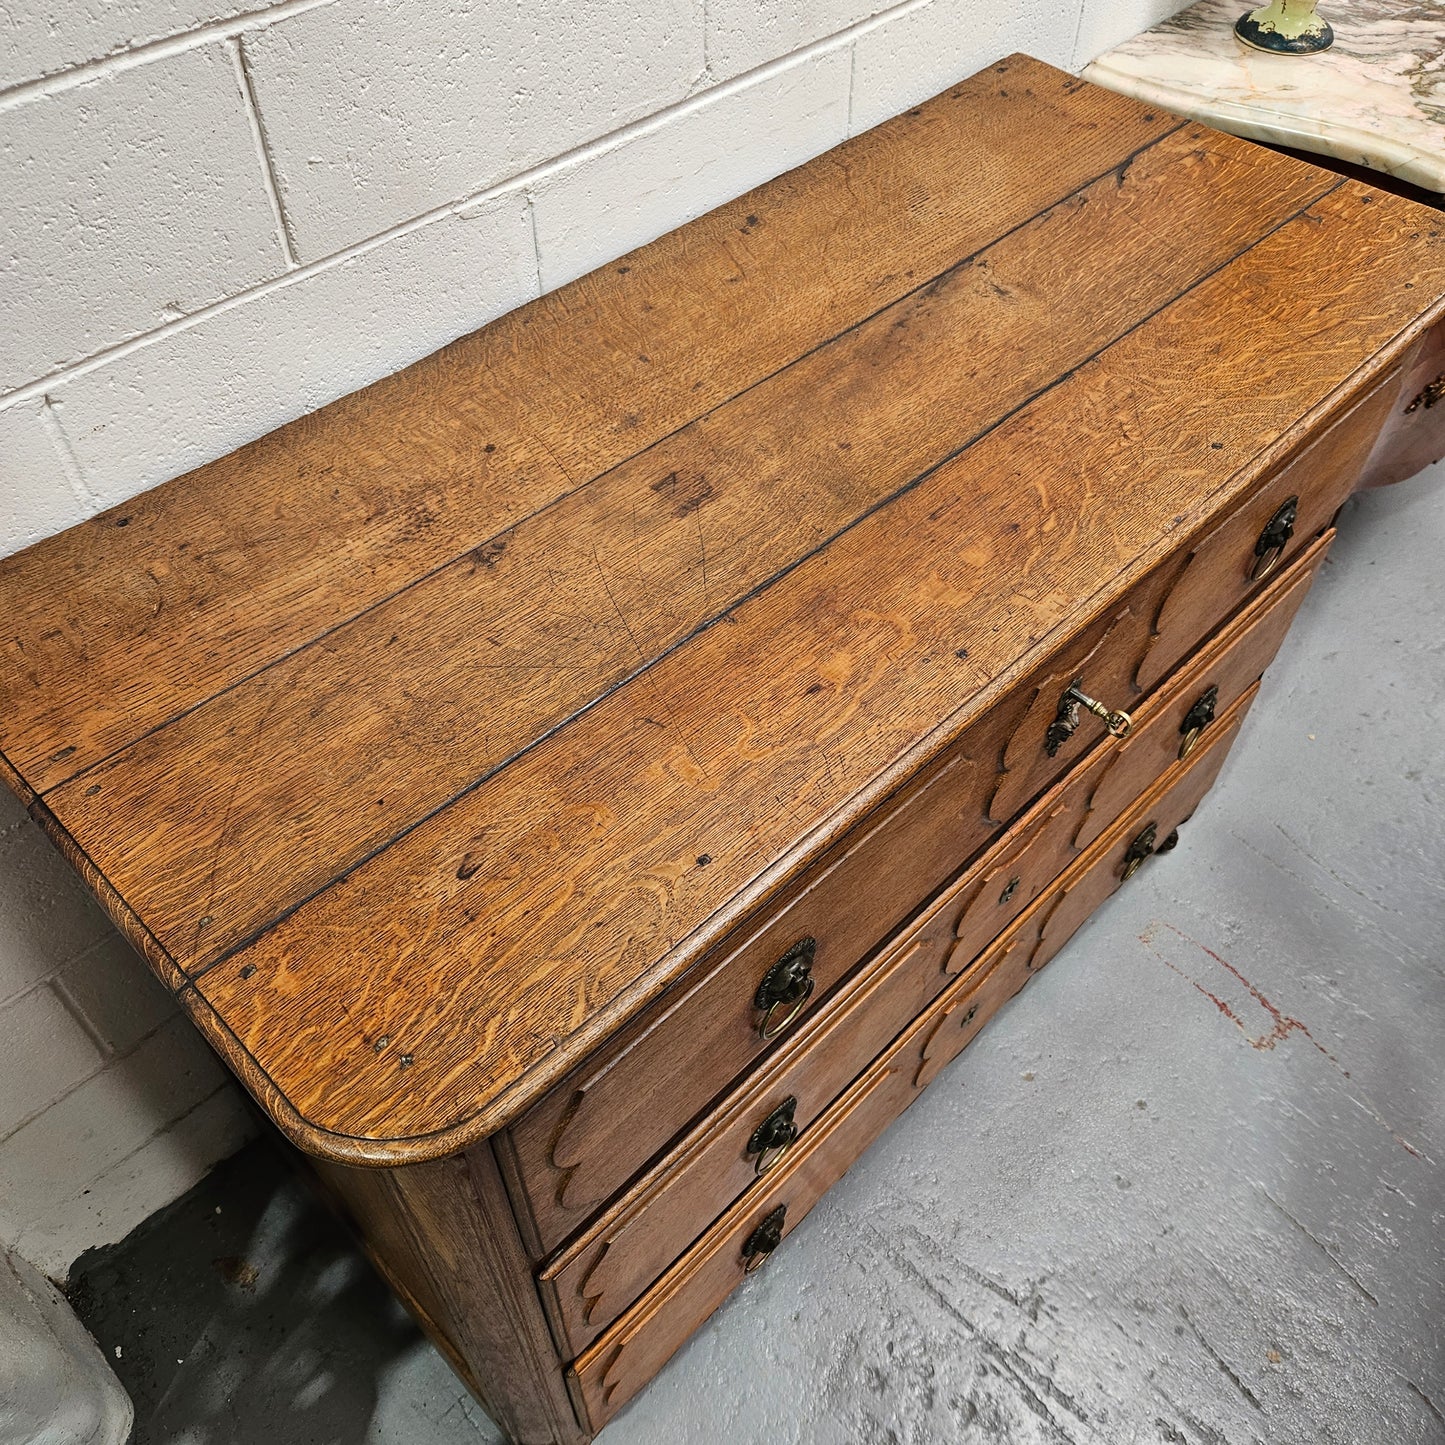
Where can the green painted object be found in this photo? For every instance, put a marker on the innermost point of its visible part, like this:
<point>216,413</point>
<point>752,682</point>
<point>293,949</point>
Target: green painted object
<point>1286,27</point>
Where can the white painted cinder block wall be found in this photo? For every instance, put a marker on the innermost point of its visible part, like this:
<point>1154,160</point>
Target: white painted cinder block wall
<point>216,218</point>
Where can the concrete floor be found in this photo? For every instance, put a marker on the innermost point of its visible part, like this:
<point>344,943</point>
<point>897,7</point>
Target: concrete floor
<point>1185,1189</point>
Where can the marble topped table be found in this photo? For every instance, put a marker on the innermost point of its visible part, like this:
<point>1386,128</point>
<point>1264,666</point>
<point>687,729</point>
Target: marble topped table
<point>1376,98</point>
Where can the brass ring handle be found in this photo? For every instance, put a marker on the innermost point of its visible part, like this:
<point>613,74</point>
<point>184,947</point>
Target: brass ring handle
<point>769,1030</point>
<point>1140,849</point>
<point>1199,716</point>
<point>772,1139</point>
<point>772,1156</point>
<point>764,1239</point>
<point>1269,546</point>
<point>787,985</point>
<point>1266,563</point>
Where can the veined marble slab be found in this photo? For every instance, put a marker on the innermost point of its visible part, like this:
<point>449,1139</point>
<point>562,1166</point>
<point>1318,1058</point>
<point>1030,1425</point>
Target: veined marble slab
<point>1376,97</point>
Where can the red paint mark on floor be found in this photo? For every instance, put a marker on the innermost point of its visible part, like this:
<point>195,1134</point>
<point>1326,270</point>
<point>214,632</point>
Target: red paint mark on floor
<point>1284,1025</point>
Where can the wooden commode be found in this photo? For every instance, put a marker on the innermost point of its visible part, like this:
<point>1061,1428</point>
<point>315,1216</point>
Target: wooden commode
<point>587,784</point>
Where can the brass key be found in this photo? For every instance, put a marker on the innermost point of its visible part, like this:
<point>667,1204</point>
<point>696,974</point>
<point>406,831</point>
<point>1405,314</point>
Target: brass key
<point>1116,721</point>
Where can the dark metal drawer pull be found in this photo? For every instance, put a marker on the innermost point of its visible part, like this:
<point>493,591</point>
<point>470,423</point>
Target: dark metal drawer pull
<point>764,1239</point>
<point>1197,719</point>
<point>1434,392</point>
<point>772,1139</point>
<point>1140,849</point>
<point>1269,548</point>
<point>786,985</point>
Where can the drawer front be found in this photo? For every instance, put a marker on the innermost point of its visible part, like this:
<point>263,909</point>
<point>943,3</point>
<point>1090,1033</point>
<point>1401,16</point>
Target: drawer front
<point>626,1357</point>
<point>1255,541</point>
<point>632,1352</point>
<point>1414,436</point>
<point>588,1284</point>
<point>1166,727</point>
<point>589,1136</point>
<point>1037,938</point>
<point>1180,716</point>
<point>1148,829</point>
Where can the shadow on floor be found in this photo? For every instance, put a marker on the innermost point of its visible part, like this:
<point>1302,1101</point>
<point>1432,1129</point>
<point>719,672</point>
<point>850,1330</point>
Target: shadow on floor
<point>243,1313</point>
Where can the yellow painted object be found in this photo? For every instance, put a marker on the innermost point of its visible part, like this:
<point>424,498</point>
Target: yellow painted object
<point>1286,27</point>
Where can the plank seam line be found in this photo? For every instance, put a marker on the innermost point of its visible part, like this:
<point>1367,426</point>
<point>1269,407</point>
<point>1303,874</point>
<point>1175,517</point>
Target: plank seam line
<point>574,491</point>
<point>251,938</point>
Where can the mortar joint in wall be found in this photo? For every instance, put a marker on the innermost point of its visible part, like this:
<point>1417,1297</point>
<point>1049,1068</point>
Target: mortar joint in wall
<point>266,160</point>
<point>127,57</point>
<point>70,466</point>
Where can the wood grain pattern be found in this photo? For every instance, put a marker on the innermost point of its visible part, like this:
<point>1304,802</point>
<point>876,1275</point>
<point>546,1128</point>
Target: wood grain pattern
<point>433,766</point>
<point>150,608</point>
<point>438,687</point>
<point>583,893</point>
<point>1224,561</point>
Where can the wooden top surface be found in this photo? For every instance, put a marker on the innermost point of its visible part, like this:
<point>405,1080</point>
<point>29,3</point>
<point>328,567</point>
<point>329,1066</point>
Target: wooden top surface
<point>422,742</point>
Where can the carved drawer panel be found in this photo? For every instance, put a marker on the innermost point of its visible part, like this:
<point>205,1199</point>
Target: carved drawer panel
<point>1149,828</point>
<point>625,1358</point>
<point>592,1281</point>
<point>587,1284</point>
<point>1180,715</point>
<point>584,1142</point>
<point>1275,525</point>
<point>607,1374</point>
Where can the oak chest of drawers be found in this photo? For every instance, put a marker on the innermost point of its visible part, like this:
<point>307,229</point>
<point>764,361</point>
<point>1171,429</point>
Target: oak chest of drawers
<point>588,784</point>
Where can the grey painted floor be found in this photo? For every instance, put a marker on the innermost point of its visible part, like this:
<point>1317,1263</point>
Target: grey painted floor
<point>1187,1188</point>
